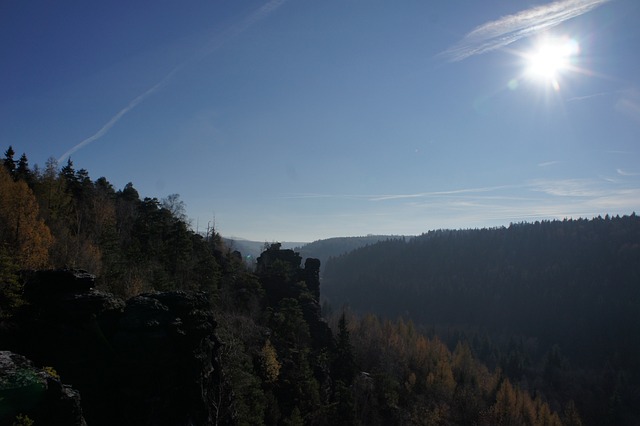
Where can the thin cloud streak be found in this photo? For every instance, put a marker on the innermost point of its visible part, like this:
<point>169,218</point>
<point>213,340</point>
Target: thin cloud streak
<point>311,196</point>
<point>595,95</point>
<point>558,199</point>
<point>105,129</point>
<point>562,188</point>
<point>390,197</point>
<point>569,187</point>
<point>213,45</point>
<point>626,173</point>
<point>511,28</point>
<point>481,207</point>
<point>260,14</point>
<point>439,193</point>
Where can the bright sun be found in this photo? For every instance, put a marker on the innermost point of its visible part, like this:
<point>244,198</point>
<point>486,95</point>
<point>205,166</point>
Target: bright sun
<point>550,58</point>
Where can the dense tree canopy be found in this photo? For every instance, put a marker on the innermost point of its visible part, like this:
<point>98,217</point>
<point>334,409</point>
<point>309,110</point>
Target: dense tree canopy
<point>555,304</point>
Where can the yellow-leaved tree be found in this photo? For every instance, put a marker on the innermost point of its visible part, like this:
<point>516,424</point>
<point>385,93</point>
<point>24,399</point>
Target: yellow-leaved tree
<point>23,234</point>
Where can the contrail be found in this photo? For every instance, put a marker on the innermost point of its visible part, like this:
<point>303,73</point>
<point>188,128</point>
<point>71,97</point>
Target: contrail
<point>213,45</point>
<point>506,30</point>
<point>104,129</point>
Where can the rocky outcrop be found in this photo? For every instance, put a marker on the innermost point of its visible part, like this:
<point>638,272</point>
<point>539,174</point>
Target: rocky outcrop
<point>311,275</point>
<point>281,277</point>
<point>36,394</point>
<point>150,360</point>
<point>279,271</point>
<point>166,367</point>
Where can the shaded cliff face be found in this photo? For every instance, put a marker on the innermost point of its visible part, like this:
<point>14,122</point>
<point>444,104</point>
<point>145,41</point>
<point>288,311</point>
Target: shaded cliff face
<point>149,360</point>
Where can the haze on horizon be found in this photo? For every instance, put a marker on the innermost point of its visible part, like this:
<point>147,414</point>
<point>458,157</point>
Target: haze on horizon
<point>295,121</point>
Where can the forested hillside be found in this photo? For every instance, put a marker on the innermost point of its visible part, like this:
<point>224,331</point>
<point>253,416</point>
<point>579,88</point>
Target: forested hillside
<point>280,363</point>
<point>60,217</point>
<point>319,249</point>
<point>555,304</point>
<point>332,247</point>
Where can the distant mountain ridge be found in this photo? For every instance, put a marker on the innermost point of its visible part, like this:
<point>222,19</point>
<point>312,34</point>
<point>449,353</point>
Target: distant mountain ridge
<point>251,250</point>
<point>337,246</point>
<point>319,249</point>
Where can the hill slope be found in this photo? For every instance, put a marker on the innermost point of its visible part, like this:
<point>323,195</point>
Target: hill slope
<point>332,247</point>
<point>574,284</point>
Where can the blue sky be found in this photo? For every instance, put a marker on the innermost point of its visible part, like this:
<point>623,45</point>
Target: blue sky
<point>297,120</point>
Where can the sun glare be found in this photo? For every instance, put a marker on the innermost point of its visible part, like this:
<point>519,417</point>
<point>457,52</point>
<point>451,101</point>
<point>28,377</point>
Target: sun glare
<point>551,58</point>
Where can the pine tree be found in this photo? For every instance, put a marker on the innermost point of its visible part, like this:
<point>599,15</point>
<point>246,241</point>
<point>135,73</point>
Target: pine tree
<point>9,162</point>
<point>68,172</point>
<point>344,367</point>
<point>23,172</point>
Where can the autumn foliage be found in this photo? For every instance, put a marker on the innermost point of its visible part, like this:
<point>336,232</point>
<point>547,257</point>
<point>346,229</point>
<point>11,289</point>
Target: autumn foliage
<point>23,233</point>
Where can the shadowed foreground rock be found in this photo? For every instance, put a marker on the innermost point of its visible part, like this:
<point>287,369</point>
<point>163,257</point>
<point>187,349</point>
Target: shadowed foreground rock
<point>149,361</point>
<point>26,390</point>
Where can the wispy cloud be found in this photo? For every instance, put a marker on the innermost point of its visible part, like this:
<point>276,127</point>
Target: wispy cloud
<point>316,195</point>
<point>626,173</point>
<point>508,29</point>
<point>533,200</point>
<point>262,13</point>
<point>568,187</point>
<point>594,95</point>
<point>391,197</point>
<point>438,193</point>
<point>213,45</point>
<point>474,207</point>
<point>547,163</point>
<point>629,104</point>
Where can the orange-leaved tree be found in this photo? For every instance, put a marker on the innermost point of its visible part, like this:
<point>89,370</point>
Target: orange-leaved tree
<point>23,234</point>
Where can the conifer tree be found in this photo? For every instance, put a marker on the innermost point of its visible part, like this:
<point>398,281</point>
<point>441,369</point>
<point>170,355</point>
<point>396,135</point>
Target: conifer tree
<point>344,367</point>
<point>23,172</point>
<point>9,162</point>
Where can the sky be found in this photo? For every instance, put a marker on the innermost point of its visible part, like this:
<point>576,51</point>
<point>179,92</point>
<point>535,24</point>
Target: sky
<point>297,120</point>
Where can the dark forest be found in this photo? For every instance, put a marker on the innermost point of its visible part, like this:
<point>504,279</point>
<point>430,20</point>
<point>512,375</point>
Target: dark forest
<point>553,304</point>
